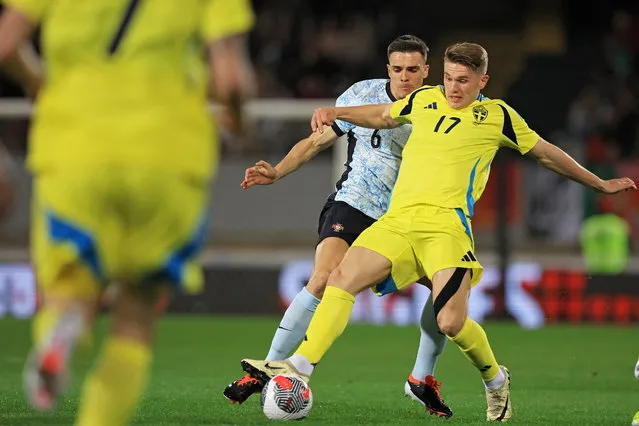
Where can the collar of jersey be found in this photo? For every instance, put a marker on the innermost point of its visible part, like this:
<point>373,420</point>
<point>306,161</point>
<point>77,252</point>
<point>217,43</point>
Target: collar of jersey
<point>389,93</point>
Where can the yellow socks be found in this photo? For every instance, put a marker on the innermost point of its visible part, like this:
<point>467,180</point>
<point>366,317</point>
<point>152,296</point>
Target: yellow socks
<point>328,323</point>
<point>112,390</point>
<point>473,342</point>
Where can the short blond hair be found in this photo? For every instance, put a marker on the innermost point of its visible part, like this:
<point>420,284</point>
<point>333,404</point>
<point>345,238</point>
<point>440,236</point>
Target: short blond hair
<point>472,55</point>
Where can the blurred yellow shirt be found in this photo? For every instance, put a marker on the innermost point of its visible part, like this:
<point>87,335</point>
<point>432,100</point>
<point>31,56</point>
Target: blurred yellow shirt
<point>126,81</point>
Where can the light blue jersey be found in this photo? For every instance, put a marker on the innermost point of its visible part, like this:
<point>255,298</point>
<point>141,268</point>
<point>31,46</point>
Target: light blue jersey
<point>373,155</point>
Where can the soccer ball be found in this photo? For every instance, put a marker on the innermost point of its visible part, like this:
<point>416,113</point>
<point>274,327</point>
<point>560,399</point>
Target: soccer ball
<point>286,397</point>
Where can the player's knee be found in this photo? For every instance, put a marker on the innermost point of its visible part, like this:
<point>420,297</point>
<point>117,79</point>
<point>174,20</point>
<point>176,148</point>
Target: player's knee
<point>141,295</point>
<point>317,284</point>
<point>338,278</point>
<point>135,312</point>
<point>354,281</point>
<point>449,323</point>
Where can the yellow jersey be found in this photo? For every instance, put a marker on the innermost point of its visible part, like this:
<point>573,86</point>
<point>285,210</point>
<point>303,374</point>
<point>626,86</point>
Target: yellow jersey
<point>446,161</point>
<point>127,81</point>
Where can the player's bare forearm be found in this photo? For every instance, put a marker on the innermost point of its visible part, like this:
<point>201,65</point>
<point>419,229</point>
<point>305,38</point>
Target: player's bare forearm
<point>304,150</point>
<point>15,27</point>
<point>558,161</point>
<point>262,173</point>
<point>371,116</point>
<point>555,159</point>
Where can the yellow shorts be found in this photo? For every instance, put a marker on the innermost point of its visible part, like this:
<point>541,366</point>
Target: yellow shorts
<point>421,241</point>
<point>96,225</point>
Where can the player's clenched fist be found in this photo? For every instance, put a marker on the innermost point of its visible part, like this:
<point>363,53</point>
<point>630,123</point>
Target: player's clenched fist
<point>321,117</point>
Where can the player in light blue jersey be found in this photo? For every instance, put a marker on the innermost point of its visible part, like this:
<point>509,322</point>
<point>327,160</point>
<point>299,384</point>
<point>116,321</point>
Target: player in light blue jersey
<point>374,155</point>
<point>361,196</point>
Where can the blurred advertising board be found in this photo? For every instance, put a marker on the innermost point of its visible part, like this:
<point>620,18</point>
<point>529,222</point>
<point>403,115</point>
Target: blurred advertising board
<point>534,296</point>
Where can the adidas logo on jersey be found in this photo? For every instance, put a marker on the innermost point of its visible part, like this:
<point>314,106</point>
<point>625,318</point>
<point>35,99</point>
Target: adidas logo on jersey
<point>431,106</point>
<point>469,257</point>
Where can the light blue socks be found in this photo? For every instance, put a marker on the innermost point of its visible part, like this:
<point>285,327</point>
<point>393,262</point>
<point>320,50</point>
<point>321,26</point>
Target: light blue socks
<point>293,326</point>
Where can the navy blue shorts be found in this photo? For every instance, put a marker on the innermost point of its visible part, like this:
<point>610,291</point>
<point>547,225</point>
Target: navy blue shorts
<point>341,220</point>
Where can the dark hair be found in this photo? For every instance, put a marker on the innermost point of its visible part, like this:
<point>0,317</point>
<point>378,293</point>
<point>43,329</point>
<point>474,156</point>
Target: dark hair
<point>408,43</point>
<point>472,55</point>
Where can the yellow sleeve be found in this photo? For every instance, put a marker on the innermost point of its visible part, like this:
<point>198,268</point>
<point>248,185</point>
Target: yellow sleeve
<point>397,109</point>
<point>515,131</point>
<point>402,109</point>
<point>33,9</point>
<point>224,18</point>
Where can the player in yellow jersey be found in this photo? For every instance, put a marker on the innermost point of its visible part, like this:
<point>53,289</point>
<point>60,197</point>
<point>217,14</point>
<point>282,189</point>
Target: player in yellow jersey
<point>427,231</point>
<point>122,149</point>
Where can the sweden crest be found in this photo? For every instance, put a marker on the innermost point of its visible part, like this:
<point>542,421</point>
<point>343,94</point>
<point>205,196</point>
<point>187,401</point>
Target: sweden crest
<point>480,113</point>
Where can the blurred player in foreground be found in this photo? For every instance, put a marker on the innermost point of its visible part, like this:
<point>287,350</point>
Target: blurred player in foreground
<point>361,197</point>
<point>122,148</point>
<point>426,231</point>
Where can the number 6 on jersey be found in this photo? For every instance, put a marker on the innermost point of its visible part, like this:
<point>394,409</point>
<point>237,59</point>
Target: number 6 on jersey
<point>376,139</point>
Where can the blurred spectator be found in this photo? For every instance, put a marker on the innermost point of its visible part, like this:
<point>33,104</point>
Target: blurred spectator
<point>588,112</point>
<point>605,240</point>
<point>627,123</point>
<point>605,115</point>
<point>621,45</point>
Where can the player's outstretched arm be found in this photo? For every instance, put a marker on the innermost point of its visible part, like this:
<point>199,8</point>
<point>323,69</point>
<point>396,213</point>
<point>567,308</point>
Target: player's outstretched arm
<point>264,173</point>
<point>371,116</point>
<point>555,159</point>
<point>18,59</point>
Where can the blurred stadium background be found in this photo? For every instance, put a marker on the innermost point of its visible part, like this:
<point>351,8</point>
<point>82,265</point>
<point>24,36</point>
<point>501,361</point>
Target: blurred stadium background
<point>571,68</point>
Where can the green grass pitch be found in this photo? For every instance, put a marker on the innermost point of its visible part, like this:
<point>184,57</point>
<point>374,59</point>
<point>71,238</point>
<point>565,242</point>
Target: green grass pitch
<point>562,375</point>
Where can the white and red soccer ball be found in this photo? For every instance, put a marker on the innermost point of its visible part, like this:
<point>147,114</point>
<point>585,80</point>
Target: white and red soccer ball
<point>286,397</point>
